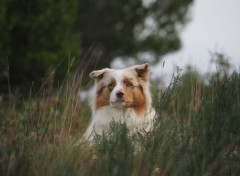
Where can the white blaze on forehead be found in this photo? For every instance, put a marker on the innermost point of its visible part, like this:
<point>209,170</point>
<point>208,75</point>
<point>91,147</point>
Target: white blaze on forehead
<point>118,76</point>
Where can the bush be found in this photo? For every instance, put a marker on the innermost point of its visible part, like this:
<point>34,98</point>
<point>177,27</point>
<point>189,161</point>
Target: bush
<point>35,37</point>
<point>196,132</point>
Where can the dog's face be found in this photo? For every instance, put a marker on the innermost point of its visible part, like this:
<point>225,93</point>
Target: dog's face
<point>121,88</point>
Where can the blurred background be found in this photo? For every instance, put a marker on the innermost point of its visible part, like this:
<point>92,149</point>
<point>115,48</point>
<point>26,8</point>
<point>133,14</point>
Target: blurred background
<point>47,37</point>
<point>47,50</point>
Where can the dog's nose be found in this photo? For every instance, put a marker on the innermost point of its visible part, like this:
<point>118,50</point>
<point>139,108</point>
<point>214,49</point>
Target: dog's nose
<point>119,94</point>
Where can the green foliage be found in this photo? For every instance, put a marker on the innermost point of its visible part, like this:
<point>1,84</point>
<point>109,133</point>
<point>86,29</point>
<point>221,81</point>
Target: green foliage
<point>35,36</point>
<point>201,126</point>
<point>116,152</point>
<point>196,132</point>
<point>120,28</point>
<point>40,35</point>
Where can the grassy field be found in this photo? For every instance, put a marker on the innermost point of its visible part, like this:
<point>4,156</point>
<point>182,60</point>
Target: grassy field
<point>196,132</point>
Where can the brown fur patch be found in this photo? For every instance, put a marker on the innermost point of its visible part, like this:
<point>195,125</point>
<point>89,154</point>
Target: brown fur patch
<point>139,103</point>
<point>128,82</point>
<point>142,71</point>
<point>103,94</point>
<point>112,84</point>
<point>103,98</point>
<point>134,96</point>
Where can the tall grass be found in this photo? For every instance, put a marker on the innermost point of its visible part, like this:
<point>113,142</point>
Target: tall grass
<point>196,132</point>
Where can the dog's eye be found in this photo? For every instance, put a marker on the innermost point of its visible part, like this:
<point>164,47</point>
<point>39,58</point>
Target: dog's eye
<point>129,84</point>
<point>111,85</point>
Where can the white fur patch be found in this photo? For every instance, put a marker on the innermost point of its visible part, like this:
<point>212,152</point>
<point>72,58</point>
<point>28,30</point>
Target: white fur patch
<point>119,87</point>
<point>103,117</point>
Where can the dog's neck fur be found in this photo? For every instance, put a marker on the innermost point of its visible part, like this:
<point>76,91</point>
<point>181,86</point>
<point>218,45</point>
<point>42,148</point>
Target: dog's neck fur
<point>104,116</point>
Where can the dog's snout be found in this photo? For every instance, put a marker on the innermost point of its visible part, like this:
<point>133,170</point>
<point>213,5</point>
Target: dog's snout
<point>119,94</point>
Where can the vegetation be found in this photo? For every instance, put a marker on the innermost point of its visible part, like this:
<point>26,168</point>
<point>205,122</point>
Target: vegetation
<point>127,27</point>
<point>196,132</point>
<point>37,35</point>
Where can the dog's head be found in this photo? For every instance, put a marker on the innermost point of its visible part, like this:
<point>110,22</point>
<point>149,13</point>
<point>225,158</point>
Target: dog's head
<point>122,88</point>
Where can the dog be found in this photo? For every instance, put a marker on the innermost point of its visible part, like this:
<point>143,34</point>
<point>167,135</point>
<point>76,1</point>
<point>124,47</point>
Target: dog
<point>121,96</point>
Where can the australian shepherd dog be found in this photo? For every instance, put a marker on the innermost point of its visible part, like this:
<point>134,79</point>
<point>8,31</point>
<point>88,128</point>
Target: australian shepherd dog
<point>121,96</point>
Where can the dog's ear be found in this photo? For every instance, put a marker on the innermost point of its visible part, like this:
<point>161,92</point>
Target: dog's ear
<point>98,74</point>
<point>142,71</point>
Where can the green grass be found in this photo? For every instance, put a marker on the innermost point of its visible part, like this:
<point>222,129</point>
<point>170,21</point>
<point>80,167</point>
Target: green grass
<point>196,132</point>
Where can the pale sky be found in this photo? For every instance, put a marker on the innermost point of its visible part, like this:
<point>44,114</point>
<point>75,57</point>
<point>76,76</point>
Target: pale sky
<point>215,26</point>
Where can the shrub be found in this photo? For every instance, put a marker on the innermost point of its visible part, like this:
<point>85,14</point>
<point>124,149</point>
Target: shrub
<point>196,132</point>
